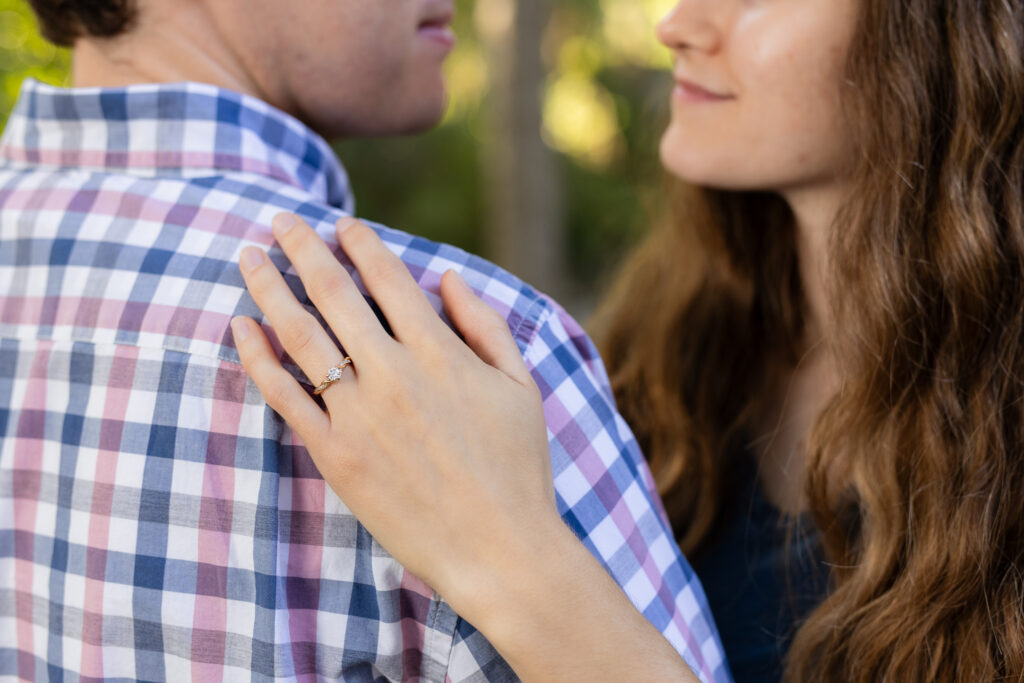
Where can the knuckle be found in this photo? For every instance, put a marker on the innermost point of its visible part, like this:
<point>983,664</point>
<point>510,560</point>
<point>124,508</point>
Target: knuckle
<point>380,364</point>
<point>381,269</point>
<point>451,360</point>
<point>396,393</point>
<point>327,285</point>
<point>348,467</point>
<point>274,396</point>
<point>389,381</point>
<point>298,335</point>
<point>274,388</point>
<point>437,357</point>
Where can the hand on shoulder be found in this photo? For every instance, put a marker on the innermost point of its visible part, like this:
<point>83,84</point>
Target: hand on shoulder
<point>439,447</point>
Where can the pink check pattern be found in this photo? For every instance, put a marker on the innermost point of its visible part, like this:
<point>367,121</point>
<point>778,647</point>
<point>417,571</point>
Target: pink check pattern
<point>157,520</point>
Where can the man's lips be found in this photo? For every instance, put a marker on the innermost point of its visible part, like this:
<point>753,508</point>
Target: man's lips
<point>439,29</point>
<point>440,34</point>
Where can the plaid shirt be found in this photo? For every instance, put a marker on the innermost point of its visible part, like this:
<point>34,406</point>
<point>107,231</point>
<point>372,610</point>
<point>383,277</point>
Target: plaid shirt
<point>157,520</point>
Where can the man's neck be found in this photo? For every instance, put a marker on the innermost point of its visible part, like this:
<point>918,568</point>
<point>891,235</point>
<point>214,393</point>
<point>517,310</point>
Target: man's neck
<point>182,44</point>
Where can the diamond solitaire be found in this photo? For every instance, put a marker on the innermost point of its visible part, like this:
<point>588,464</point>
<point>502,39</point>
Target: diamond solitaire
<point>333,375</point>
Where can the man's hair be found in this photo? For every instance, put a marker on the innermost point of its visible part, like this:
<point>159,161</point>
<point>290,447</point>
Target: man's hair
<point>64,21</point>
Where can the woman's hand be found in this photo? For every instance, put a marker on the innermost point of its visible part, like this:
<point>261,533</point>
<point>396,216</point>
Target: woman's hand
<point>438,447</point>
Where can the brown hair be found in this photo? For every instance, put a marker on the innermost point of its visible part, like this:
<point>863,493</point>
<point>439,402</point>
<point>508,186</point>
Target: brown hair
<point>65,21</point>
<point>916,466</point>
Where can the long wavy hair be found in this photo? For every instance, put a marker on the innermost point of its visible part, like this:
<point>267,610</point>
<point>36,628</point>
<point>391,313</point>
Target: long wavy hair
<point>915,473</point>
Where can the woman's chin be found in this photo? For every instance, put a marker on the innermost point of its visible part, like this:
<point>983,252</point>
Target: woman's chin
<point>703,168</point>
<point>688,172</point>
<point>683,160</point>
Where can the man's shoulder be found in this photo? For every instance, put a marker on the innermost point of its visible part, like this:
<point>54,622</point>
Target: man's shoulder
<point>524,307</point>
<point>553,343</point>
<point>153,234</point>
<point>239,210</point>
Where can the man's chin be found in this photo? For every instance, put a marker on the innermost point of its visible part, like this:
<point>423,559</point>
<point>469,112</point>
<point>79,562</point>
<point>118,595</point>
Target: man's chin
<point>426,122</point>
<point>415,122</point>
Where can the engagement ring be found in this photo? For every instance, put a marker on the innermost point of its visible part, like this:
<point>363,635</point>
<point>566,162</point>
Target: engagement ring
<point>333,375</point>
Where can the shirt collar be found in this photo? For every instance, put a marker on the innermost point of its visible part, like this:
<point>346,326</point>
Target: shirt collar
<point>179,129</point>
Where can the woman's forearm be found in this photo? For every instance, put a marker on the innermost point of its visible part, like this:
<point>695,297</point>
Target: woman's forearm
<point>554,614</point>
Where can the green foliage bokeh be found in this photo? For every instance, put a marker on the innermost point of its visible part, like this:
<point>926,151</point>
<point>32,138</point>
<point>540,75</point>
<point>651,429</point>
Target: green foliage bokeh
<point>24,53</point>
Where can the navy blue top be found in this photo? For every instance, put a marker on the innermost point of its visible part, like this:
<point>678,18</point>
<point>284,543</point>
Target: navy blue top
<point>763,572</point>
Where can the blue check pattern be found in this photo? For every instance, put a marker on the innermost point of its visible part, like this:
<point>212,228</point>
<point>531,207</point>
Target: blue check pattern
<point>157,520</point>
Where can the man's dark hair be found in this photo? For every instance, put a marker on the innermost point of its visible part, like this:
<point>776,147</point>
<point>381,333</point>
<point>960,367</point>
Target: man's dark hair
<point>64,21</point>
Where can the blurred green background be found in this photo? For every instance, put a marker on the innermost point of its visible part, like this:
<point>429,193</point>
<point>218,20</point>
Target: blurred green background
<point>546,161</point>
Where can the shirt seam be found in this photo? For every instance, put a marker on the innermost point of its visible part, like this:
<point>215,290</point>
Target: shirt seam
<point>118,344</point>
<point>533,321</point>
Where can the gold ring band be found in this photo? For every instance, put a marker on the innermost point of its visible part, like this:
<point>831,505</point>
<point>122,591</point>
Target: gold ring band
<point>333,375</point>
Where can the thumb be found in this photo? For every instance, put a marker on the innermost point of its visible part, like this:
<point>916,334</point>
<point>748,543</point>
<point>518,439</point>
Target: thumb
<point>484,329</point>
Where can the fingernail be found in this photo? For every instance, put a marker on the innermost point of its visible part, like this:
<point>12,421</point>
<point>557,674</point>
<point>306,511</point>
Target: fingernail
<point>462,283</point>
<point>240,329</point>
<point>252,258</point>
<point>283,222</point>
<point>344,224</point>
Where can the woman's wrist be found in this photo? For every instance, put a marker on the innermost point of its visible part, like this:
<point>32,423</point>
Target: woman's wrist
<point>552,611</point>
<point>515,561</point>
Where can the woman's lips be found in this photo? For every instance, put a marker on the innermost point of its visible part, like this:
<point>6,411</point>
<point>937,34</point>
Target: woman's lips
<point>691,92</point>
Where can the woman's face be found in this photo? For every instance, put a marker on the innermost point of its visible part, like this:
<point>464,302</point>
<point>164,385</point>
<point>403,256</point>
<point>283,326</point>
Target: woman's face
<point>756,104</point>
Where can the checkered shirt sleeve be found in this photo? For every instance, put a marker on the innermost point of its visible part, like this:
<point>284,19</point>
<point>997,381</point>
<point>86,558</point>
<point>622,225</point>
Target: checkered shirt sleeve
<point>607,496</point>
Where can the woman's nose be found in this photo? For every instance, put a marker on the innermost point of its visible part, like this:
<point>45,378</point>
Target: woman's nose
<point>692,24</point>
